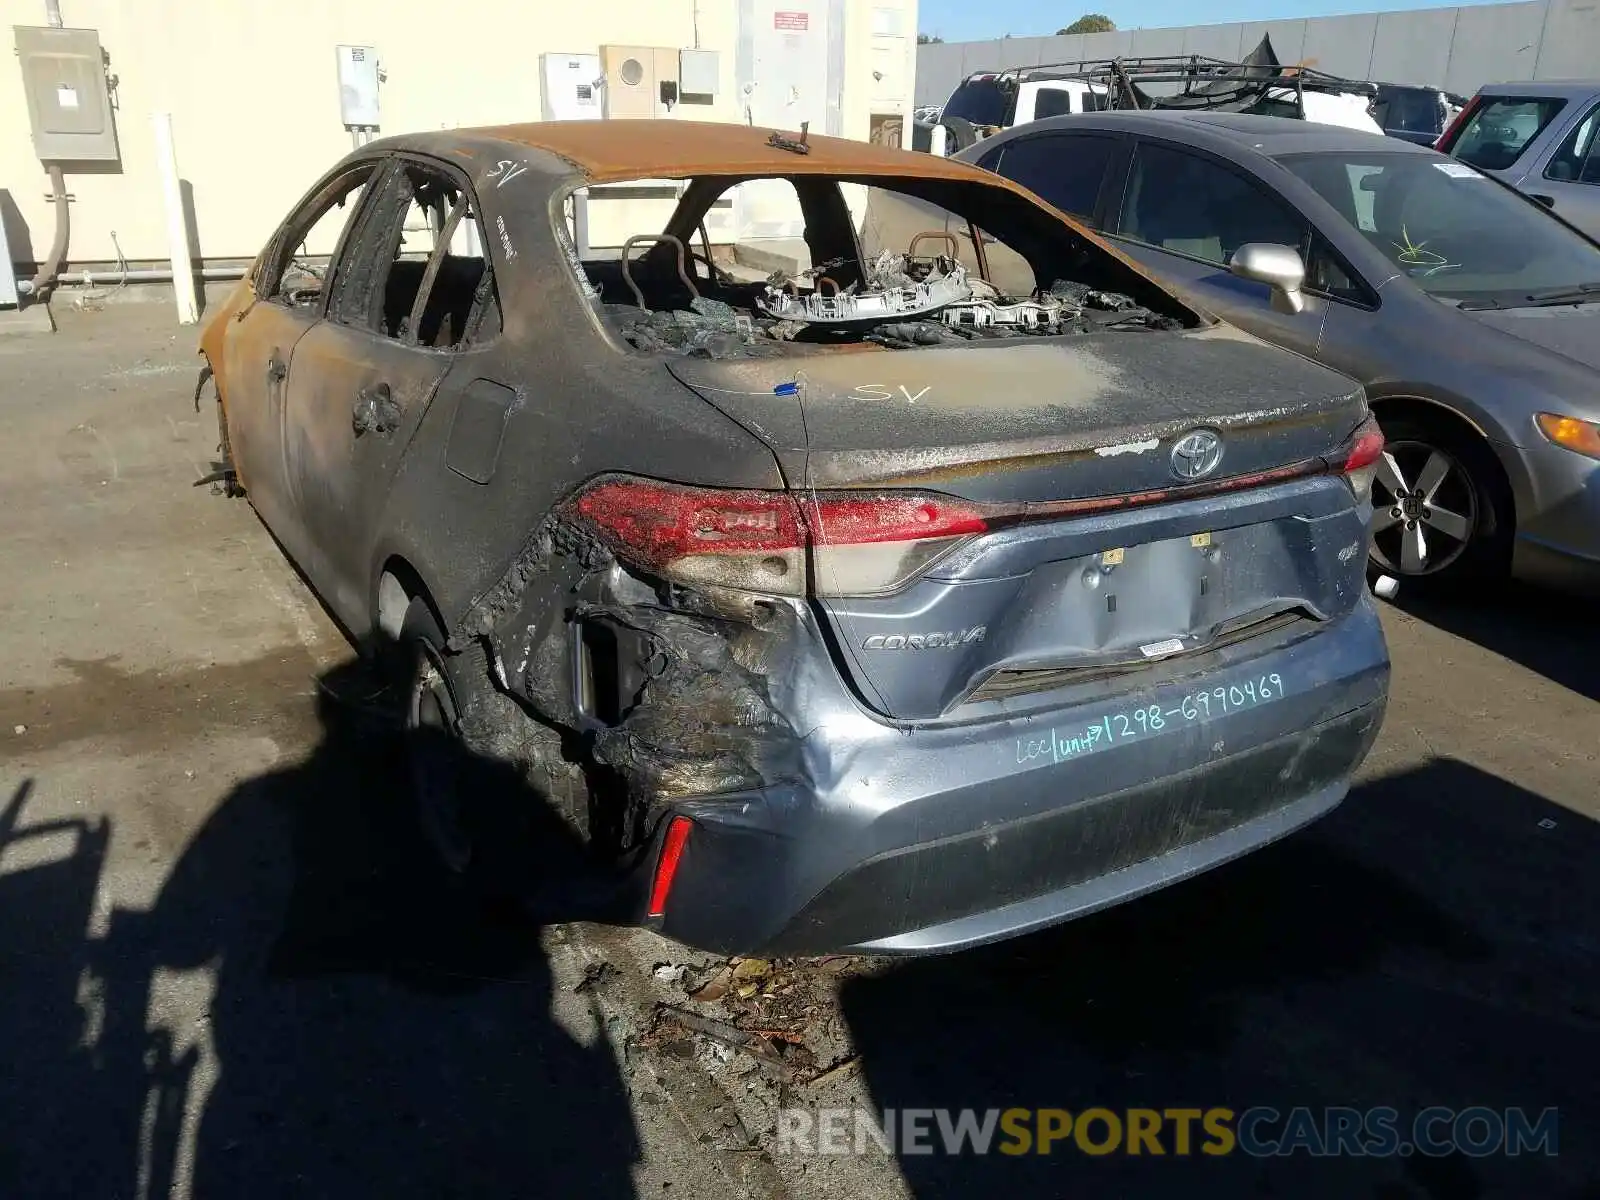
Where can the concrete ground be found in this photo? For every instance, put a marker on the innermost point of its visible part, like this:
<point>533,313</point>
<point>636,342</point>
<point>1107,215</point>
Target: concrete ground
<point>221,976</point>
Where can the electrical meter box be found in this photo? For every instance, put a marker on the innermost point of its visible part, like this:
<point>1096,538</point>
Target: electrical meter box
<point>640,81</point>
<point>698,72</point>
<point>69,102</point>
<point>358,86</point>
<point>570,86</point>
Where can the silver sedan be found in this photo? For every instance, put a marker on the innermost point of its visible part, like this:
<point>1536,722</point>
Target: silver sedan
<point>1470,312</point>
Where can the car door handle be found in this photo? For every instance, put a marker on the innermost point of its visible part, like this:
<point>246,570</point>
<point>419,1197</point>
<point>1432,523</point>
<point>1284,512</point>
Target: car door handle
<point>276,369</point>
<point>1548,201</point>
<point>375,411</point>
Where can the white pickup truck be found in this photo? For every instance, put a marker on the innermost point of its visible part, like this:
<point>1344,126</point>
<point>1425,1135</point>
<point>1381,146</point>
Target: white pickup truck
<point>989,101</point>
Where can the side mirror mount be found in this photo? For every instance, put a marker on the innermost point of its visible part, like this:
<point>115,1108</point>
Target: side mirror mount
<point>1279,267</point>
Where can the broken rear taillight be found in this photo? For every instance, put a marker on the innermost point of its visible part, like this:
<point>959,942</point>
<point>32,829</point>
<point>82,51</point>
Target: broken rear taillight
<point>820,543</point>
<point>1361,455</point>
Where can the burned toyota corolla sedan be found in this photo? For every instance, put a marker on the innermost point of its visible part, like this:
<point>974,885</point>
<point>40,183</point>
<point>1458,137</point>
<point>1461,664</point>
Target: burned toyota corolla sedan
<point>949,582</point>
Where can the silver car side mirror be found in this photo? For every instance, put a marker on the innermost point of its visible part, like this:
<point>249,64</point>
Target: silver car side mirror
<point>1279,267</point>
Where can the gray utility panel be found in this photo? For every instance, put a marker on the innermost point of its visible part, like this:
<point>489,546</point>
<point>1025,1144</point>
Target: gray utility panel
<point>69,103</point>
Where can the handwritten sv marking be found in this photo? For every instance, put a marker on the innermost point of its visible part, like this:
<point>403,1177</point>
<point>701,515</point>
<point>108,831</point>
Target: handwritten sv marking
<point>505,238</point>
<point>877,391</point>
<point>504,171</point>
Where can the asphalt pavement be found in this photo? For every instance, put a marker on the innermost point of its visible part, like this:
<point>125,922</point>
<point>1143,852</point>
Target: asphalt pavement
<point>222,973</point>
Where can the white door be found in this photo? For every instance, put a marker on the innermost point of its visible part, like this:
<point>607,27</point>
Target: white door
<point>787,85</point>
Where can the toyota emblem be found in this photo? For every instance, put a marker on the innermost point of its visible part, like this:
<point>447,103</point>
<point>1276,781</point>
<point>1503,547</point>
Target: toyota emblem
<point>1196,454</point>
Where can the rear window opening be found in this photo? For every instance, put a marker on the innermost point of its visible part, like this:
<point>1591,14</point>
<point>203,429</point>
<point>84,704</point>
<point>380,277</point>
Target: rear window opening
<point>720,267</point>
<point>984,100</point>
<point>1500,128</point>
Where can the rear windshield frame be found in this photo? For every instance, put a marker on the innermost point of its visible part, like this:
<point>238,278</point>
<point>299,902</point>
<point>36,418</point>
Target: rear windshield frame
<point>1556,105</point>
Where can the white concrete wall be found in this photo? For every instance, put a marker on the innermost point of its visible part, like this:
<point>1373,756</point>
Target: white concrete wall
<point>1456,48</point>
<point>254,99</point>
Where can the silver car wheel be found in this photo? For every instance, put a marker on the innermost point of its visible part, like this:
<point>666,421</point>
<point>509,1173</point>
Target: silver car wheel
<point>1424,509</point>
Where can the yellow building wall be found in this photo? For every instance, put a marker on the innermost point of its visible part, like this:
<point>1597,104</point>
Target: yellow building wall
<point>252,89</point>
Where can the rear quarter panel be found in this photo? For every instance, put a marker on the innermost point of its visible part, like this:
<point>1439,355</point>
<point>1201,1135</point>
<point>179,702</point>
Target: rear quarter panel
<point>584,405</point>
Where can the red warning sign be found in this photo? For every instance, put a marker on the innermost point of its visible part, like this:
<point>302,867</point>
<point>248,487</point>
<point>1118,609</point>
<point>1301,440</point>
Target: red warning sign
<point>791,20</point>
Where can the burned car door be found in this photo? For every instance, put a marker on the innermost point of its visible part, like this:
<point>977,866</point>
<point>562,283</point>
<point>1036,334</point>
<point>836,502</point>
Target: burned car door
<point>290,291</point>
<point>414,287</point>
<point>1184,215</point>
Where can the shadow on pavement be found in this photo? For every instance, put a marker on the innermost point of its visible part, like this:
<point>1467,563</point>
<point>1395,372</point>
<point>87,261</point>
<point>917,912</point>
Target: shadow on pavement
<point>1429,943</point>
<point>372,1031</point>
<point>1547,632</point>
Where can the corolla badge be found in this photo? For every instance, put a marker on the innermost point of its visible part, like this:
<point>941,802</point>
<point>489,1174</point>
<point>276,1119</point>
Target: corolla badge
<point>953,640</point>
<point>1196,454</point>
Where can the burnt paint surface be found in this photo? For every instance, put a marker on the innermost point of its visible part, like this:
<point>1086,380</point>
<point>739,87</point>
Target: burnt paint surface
<point>317,485</point>
<point>740,701</point>
<point>1072,416</point>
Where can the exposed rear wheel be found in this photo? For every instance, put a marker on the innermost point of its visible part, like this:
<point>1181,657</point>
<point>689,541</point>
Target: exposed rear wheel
<point>1442,514</point>
<point>492,795</point>
<point>438,759</point>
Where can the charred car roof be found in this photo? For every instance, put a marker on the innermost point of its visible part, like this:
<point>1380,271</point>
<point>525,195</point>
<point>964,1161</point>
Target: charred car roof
<point>614,150</point>
<point>576,153</point>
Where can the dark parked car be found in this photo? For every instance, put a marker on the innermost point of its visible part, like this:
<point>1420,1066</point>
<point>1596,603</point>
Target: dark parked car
<point>939,591</point>
<point>1415,114</point>
<point>1470,313</point>
<point>1539,138</point>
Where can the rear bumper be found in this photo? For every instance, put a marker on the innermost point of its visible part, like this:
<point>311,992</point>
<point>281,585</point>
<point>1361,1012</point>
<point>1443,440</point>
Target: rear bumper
<point>920,840</point>
<point>1087,856</point>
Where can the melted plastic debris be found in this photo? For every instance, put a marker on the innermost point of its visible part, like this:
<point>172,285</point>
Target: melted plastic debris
<point>890,270</point>
<point>1083,296</point>
<point>905,302</point>
<point>779,278</point>
<point>896,291</point>
<point>707,329</point>
<point>1043,314</point>
<point>907,334</point>
<point>704,723</point>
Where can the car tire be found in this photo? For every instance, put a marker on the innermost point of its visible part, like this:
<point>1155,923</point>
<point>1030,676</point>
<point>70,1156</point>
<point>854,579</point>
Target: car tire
<point>434,697</point>
<point>962,134</point>
<point>1443,515</point>
<point>487,818</point>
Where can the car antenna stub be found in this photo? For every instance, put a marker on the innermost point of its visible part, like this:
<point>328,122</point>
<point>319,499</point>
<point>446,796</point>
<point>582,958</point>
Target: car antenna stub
<point>792,145</point>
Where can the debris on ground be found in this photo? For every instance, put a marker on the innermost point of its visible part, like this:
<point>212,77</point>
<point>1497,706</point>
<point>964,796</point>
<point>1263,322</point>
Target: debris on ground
<point>595,975</point>
<point>843,1067</point>
<point>780,1013</point>
<point>758,1046</point>
<point>669,972</point>
<point>714,988</point>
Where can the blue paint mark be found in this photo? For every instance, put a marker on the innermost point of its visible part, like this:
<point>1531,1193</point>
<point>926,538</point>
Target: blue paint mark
<point>787,389</point>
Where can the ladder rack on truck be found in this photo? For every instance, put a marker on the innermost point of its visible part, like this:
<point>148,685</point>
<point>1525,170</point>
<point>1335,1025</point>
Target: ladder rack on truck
<point>989,101</point>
